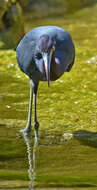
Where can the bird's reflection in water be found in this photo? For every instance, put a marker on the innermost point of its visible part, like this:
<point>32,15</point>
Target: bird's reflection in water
<point>32,150</point>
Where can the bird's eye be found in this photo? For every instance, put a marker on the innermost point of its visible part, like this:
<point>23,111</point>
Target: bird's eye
<point>38,56</point>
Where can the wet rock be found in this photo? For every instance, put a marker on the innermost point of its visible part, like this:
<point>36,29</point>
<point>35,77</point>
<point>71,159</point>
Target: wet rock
<point>3,7</point>
<point>12,27</point>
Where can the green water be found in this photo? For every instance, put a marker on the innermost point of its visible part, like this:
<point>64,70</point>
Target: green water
<point>66,156</point>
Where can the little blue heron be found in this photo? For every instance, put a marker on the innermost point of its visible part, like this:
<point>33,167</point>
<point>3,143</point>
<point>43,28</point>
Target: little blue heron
<point>44,54</point>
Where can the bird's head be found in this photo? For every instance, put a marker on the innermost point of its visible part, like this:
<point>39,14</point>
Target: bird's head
<point>45,49</point>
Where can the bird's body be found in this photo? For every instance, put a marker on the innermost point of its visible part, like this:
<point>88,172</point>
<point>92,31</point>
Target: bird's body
<point>44,54</point>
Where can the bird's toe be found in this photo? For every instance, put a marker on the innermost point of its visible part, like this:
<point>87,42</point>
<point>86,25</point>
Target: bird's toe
<point>26,130</point>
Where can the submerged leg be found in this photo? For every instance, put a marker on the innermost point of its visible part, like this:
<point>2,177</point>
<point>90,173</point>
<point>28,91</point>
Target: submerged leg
<point>36,124</point>
<point>33,95</point>
<point>28,126</point>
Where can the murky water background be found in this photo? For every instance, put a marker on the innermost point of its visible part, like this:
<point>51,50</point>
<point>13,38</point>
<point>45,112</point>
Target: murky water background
<point>66,154</point>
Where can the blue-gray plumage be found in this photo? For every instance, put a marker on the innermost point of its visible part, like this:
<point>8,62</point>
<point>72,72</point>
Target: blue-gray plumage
<point>44,54</point>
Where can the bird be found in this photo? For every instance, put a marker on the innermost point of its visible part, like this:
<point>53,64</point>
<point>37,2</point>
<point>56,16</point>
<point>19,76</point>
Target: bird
<point>44,54</point>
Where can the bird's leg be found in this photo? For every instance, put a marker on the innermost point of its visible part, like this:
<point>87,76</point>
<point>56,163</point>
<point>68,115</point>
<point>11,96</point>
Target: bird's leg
<point>28,126</point>
<point>36,124</point>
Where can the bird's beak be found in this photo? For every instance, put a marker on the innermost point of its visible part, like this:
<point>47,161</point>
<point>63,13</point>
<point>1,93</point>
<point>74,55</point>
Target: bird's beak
<point>47,61</point>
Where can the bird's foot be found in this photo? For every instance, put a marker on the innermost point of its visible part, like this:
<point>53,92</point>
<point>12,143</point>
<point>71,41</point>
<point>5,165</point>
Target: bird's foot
<point>27,130</point>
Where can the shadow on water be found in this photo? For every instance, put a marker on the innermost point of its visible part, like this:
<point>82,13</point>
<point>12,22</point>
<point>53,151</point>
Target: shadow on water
<point>86,138</point>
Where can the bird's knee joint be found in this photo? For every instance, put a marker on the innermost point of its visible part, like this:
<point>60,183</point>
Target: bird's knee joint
<point>36,125</point>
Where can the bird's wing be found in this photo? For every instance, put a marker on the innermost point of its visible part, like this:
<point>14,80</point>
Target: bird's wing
<point>25,54</point>
<point>71,64</point>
